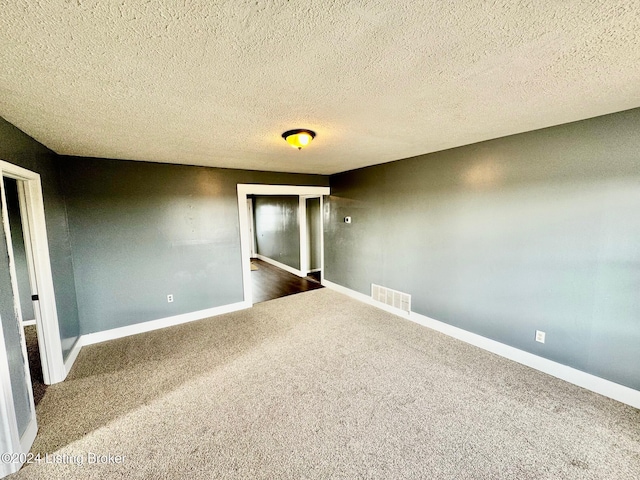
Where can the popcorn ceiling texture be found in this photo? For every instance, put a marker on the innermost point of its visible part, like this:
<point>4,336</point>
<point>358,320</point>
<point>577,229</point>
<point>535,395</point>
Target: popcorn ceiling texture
<point>216,83</point>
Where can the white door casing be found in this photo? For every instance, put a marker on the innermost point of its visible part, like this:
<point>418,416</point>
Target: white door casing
<point>32,211</point>
<point>245,240</point>
<point>20,441</point>
<point>39,264</point>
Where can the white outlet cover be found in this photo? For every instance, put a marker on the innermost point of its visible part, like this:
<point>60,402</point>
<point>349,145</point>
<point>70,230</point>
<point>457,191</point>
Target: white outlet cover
<point>540,336</point>
<point>169,298</point>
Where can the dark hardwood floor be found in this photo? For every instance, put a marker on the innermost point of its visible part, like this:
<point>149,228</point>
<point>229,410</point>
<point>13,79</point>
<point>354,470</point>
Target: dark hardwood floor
<point>271,282</point>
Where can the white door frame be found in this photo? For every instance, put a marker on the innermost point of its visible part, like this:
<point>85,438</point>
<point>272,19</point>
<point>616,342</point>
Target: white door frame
<point>39,261</point>
<point>26,440</point>
<point>250,222</point>
<point>41,280</point>
<point>304,234</point>
<point>245,241</point>
<point>10,439</point>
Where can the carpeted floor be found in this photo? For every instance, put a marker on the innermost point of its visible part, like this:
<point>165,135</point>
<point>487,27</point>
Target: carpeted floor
<point>35,364</point>
<point>317,385</point>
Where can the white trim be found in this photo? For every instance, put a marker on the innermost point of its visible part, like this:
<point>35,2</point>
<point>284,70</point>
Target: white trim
<point>33,218</point>
<point>24,446</point>
<point>26,440</point>
<point>251,225</point>
<point>26,238</point>
<point>259,189</point>
<point>305,239</point>
<point>245,247</point>
<point>106,335</point>
<point>48,329</point>
<point>9,436</point>
<point>366,299</point>
<point>302,232</point>
<point>73,354</point>
<point>28,436</point>
<point>275,263</point>
<point>582,379</point>
<point>14,171</point>
<point>321,239</point>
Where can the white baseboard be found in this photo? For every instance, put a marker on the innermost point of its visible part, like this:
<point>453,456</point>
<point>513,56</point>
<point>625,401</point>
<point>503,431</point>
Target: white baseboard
<point>366,299</point>
<point>577,377</point>
<point>28,437</point>
<point>106,335</point>
<point>26,323</point>
<point>73,354</point>
<point>275,263</point>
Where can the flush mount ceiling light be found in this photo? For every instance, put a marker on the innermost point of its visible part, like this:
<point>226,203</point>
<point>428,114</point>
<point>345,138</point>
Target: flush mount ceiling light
<point>299,137</point>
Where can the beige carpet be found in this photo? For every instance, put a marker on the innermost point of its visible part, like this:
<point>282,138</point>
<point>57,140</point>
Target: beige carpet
<point>317,385</point>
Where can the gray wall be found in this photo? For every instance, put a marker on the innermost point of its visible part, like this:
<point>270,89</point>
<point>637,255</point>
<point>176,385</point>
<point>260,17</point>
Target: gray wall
<point>314,232</point>
<point>18,148</point>
<point>19,252</point>
<point>533,231</point>
<point>278,228</point>
<point>141,231</point>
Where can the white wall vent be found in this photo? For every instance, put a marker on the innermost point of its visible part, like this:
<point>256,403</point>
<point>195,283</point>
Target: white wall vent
<point>393,298</point>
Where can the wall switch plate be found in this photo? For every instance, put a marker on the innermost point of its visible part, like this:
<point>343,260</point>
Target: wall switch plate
<point>540,336</point>
<point>347,219</point>
<point>170,298</point>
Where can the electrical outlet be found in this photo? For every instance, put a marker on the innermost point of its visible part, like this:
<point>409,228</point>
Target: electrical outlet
<point>540,336</point>
<point>170,298</point>
<point>347,219</point>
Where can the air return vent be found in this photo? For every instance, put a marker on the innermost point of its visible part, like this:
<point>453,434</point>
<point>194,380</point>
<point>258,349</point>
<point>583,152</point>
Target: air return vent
<point>393,298</point>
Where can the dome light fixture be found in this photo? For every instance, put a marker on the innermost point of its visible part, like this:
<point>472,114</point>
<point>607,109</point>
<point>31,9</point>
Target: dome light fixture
<point>298,138</point>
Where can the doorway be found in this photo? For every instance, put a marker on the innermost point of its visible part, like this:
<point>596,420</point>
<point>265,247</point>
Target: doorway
<point>301,193</point>
<point>278,263</point>
<point>313,210</point>
<point>25,279</point>
<point>26,272</point>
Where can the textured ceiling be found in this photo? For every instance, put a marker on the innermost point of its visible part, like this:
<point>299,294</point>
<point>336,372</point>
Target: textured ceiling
<point>215,83</point>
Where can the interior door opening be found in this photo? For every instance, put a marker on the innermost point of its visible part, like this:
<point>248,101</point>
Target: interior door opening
<point>314,237</point>
<point>23,220</point>
<point>16,375</point>
<point>25,278</point>
<point>278,260</point>
<point>284,211</point>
